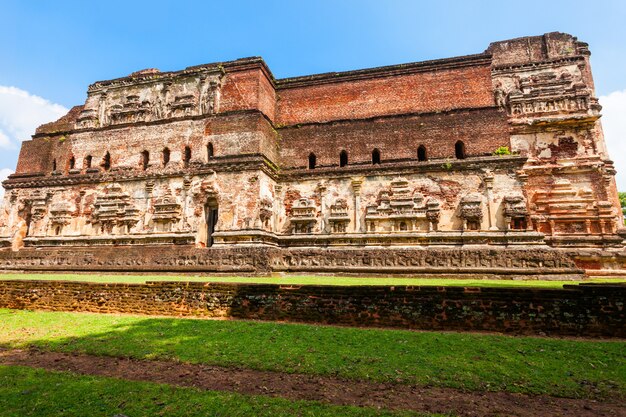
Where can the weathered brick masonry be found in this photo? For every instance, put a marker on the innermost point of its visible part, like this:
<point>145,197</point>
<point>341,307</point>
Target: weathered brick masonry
<point>579,310</point>
<point>498,150</point>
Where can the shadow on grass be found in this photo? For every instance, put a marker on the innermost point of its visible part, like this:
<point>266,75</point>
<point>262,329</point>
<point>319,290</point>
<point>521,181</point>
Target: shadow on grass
<point>568,368</point>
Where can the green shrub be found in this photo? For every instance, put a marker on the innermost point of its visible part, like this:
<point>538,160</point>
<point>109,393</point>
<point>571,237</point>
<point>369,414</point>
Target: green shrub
<point>502,150</point>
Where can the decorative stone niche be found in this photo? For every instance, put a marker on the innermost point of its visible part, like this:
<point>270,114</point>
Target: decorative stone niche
<point>339,217</point>
<point>567,210</point>
<point>398,209</point>
<point>87,119</point>
<point>471,211</point>
<point>183,105</point>
<point>60,216</point>
<point>303,216</point>
<point>167,212</point>
<point>515,213</point>
<point>113,212</point>
<point>265,213</point>
<point>433,213</point>
<point>133,110</point>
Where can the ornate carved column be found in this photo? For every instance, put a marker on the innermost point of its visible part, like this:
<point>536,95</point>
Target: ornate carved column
<point>356,189</point>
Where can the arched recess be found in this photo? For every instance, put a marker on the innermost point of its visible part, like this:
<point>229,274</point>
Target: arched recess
<point>166,156</point>
<point>106,161</point>
<point>343,158</point>
<point>87,161</point>
<point>211,216</point>
<point>421,153</point>
<point>459,150</point>
<point>209,151</point>
<point>375,157</point>
<point>145,159</point>
<point>187,156</point>
<point>312,160</point>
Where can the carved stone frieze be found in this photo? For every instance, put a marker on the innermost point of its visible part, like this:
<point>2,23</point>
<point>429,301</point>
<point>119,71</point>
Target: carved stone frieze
<point>150,96</point>
<point>548,92</point>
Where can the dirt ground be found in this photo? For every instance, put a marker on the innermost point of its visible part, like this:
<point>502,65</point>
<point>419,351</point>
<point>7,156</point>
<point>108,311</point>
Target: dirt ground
<point>318,388</point>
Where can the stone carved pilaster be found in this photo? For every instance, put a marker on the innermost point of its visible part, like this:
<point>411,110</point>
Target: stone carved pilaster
<point>356,190</point>
<point>488,180</point>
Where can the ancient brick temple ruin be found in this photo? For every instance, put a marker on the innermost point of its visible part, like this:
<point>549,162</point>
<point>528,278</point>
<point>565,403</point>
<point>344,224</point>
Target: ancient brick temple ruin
<point>493,163</point>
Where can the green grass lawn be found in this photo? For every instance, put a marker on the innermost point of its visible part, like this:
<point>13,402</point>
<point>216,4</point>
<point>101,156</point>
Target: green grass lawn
<point>28,392</point>
<point>302,280</point>
<point>559,367</point>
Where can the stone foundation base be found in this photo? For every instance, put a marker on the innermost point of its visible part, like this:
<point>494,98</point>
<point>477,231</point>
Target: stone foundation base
<point>599,262</point>
<point>508,263</point>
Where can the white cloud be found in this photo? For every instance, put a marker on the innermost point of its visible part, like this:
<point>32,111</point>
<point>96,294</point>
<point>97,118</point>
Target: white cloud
<point>4,173</point>
<point>614,126</point>
<point>21,113</point>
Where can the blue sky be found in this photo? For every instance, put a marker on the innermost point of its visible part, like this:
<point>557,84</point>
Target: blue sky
<point>53,50</point>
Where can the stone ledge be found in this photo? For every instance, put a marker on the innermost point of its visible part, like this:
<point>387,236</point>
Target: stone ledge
<point>262,260</point>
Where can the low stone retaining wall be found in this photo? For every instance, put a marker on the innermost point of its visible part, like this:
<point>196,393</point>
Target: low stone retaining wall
<point>590,310</point>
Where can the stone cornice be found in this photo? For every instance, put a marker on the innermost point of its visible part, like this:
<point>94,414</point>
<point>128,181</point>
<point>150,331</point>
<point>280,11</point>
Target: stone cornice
<point>257,162</point>
<point>405,167</point>
<point>238,163</point>
<point>196,70</point>
<point>526,66</point>
<point>155,122</point>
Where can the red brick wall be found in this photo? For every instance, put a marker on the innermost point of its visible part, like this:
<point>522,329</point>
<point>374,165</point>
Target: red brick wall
<point>34,156</point>
<point>591,310</point>
<point>267,97</point>
<point>247,90</point>
<point>263,142</point>
<point>240,91</point>
<point>427,91</point>
<point>482,131</point>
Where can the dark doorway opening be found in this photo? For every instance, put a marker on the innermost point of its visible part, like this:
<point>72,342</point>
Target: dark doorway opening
<point>343,159</point>
<point>459,150</point>
<point>375,157</point>
<point>421,153</point>
<point>211,220</point>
